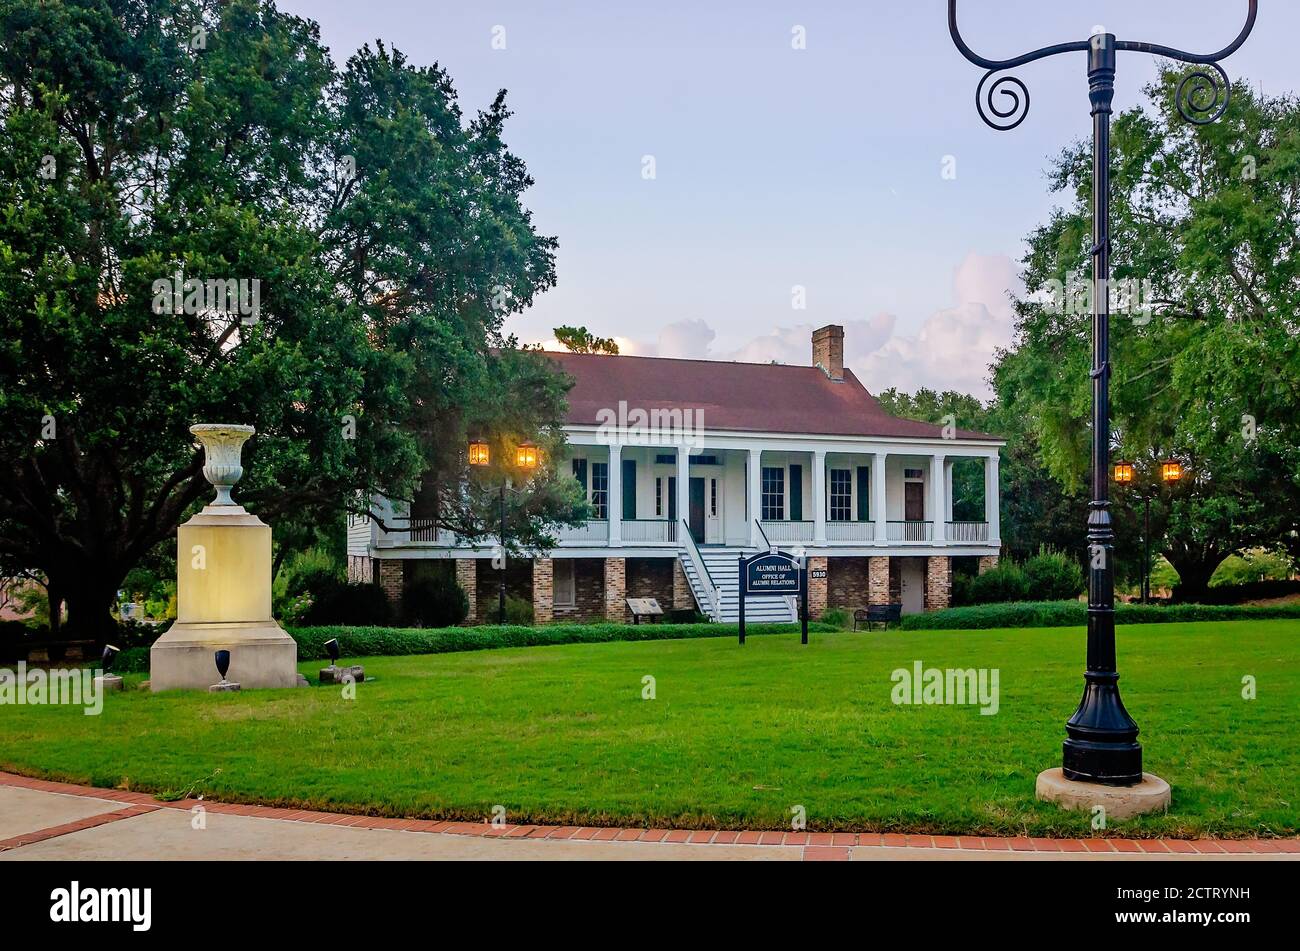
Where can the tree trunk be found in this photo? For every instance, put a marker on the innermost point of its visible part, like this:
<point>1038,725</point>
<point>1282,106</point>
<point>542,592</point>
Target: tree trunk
<point>1194,573</point>
<point>54,599</point>
<point>90,598</point>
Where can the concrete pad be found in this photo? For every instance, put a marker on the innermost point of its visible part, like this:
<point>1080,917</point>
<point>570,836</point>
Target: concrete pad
<point>167,834</point>
<point>26,810</point>
<point>1120,802</point>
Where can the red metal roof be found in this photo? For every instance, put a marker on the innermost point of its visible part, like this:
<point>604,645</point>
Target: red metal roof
<point>754,397</point>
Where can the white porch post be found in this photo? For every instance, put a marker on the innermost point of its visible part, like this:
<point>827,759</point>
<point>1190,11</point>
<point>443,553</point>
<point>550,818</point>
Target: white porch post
<point>819,497</point>
<point>947,489</point>
<point>938,469</point>
<point>615,484</point>
<point>683,487</point>
<point>754,475</point>
<point>878,497</point>
<point>992,514</point>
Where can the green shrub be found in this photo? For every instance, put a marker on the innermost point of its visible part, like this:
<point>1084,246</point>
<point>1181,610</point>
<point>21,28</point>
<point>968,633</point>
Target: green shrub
<point>1053,576</point>
<point>839,618</point>
<point>1250,591</point>
<point>394,641</point>
<point>1005,581</point>
<point>305,578</point>
<point>963,588</point>
<point>340,602</point>
<point>685,616</point>
<point>436,601</point>
<point>1075,614</point>
<point>1256,564</point>
<point>518,610</point>
<point>384,641</point>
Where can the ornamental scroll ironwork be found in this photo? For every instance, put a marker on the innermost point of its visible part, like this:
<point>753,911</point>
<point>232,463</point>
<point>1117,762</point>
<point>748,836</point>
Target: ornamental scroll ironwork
<point>1202,95</point>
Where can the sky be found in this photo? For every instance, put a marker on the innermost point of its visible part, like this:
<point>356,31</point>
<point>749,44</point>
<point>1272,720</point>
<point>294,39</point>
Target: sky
<point>725,176</point>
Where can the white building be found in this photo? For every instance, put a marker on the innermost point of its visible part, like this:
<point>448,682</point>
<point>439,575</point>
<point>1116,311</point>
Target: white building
<point>689,464</point>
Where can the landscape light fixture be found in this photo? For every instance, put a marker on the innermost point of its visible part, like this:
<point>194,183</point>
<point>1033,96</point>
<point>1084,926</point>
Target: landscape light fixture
<point>479,454</point>
<point>1101,744</point>
<point>222,658</point>
<point>1171,472</point>
<point>332,648</point>
<point>526,455</point>
<point>1123,473</point>
<point>107,658</point>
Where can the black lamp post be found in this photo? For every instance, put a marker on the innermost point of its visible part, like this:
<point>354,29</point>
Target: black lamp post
<point>526,459</point>
<point>1101,744</point>
<point>1125,473</point>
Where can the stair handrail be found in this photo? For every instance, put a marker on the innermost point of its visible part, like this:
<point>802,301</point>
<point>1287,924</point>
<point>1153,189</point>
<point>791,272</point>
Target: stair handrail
<point>766,541</point>
<point>702,570</point>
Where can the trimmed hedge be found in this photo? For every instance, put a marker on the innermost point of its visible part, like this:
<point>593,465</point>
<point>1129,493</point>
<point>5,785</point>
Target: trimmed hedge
<point>393,641</point>
<point>1248,591</point>
<point>1075,614</point>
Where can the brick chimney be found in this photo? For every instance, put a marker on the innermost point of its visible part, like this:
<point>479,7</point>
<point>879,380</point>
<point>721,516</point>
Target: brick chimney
<point>828,351</point>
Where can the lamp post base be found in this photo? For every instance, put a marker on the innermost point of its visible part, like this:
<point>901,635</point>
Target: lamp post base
<point>1151,794</point>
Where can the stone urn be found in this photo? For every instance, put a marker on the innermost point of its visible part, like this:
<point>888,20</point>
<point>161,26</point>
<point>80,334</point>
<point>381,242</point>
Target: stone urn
<point>223,586</point>
<point>223,444</point>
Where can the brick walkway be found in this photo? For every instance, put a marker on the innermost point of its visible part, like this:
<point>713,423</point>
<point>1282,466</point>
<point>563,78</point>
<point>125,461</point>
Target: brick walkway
<point>595,842</point>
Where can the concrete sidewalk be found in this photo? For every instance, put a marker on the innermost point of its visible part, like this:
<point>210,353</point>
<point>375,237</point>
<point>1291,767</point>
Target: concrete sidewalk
<point>51,821</point>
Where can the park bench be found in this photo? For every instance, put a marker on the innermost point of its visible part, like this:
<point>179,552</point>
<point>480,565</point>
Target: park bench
<point>877,613</point>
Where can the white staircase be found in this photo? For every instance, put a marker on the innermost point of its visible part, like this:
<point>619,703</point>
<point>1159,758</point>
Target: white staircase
<point>723,565</point>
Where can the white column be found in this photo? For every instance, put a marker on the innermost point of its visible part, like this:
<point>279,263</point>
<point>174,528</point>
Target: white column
<point>992,513</point>
<point>755,495</point>
<point>947,489</point>
<point>878,497</point>
<point>937,504</point>
<point>615,484</point>
<point>683,487</point>
<point>819,497</point>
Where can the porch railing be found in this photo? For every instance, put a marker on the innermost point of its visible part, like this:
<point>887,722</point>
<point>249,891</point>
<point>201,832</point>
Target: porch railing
<point>711,590</point>
<point>426,531</point>
<point>649,531</point>
<point>787,531</point>
<point>968,531</point>
<point>909,531</point>
<point>596,530</point>
<point>850,531</point>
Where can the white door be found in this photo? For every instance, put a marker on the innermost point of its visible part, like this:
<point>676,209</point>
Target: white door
<point>713,511</point>
<point>912,575</point>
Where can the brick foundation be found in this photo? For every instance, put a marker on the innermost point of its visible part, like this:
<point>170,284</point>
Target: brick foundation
<point>391,581</point>
<point>987,563</point>
<point>683,598</point>
<point>880,586</point>
<point>588,592</point>
<point>938,582</point>
<point>543,591</point>
<point>467,578</point>
<point>818,588</point>
<point>846,583</point>
<point>651,578</point>
<point>616,589</point>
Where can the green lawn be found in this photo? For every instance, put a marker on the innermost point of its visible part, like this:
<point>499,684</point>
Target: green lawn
<point>736,736</point>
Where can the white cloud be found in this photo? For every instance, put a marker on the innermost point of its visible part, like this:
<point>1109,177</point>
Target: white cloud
<point>951,350</point>
<point>954,347</point>
<point>688,339</point>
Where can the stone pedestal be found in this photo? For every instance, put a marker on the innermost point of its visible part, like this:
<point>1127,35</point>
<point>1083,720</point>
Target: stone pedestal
<point>1119,802</point>
<point>223,589</point>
